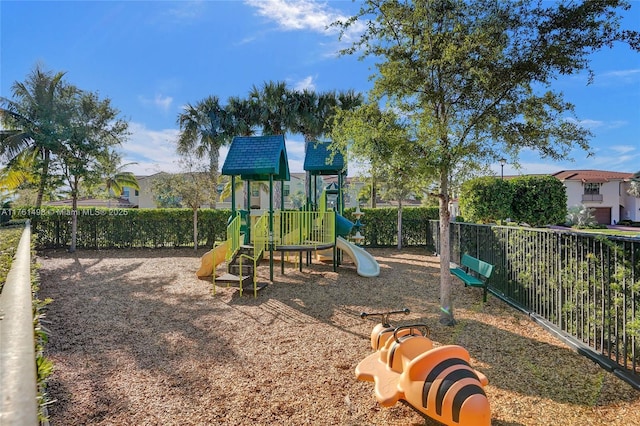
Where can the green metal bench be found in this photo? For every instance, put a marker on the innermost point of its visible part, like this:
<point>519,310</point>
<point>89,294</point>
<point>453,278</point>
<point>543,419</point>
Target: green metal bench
<point>476,274</point>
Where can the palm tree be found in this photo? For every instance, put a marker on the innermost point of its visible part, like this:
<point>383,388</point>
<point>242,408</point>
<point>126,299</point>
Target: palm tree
<point>37,118</point>
<point>18,172</point>
<point>314,113</point>
<point>202,130</point>
<point>112,175</point>
<point>274,107</point>
<point>241,116</point>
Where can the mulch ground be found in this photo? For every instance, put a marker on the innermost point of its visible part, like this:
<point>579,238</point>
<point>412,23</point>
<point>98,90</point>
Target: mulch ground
<point>137,339</point>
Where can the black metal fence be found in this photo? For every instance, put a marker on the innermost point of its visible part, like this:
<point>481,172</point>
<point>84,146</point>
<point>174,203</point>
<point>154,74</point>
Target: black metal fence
<point>584,287</point>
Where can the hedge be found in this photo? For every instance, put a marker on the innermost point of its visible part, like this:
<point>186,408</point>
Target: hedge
<point>125,228</point>
<point>101,228</point>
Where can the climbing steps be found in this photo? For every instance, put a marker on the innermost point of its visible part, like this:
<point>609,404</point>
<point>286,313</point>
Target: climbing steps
<point>241,271</point>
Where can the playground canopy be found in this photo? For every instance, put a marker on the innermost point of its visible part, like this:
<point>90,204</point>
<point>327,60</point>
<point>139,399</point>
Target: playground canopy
<point>257,158</point>
<point>318,161</point>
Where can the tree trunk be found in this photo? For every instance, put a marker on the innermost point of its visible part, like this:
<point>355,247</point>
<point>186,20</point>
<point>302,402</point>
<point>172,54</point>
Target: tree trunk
<point>195,229</point>
<point>399,224</point>
<point>43,178</point>
<point>214,155</point>
<point>446,305</point>
<point>374,193</point>
<point>307,174</point>
<point>74,219</point>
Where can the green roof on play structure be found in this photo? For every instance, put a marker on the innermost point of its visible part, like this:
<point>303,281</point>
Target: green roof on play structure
<point>257,158</point>
<point>317,162</point>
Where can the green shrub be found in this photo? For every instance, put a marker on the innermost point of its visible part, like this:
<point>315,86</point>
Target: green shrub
<point>486,200</point>
<point>536,200</point>
<point>539,200</point>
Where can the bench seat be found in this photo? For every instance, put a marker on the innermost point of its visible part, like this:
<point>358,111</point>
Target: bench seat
<point>481,270</point>
<point>466,278</point>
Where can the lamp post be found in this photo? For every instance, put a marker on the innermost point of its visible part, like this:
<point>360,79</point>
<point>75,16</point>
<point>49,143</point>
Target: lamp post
<point>503,161</point>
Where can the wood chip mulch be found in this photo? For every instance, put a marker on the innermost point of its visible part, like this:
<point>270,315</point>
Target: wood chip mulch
<point>137,339</point>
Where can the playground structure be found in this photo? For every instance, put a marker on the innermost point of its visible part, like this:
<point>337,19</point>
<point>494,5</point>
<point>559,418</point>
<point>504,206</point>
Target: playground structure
<point>437,382</point>
<point>249,239</point>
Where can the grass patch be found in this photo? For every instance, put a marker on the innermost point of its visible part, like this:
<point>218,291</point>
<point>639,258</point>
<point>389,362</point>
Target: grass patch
<point>607,231</point>
<point>9,239</point>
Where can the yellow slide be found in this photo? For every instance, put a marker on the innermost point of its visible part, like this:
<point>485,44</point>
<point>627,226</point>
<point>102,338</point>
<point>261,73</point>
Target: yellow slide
<point>211,259</point>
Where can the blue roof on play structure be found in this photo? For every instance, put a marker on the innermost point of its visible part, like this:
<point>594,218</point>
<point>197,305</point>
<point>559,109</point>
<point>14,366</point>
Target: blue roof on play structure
<point>316,159</point>
<point>257,158</point>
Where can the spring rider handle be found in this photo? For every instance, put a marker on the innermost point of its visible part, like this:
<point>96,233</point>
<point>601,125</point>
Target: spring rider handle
<point>385,315</point>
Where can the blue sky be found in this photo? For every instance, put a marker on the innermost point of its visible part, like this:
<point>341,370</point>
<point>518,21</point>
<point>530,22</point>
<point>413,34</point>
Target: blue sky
<point>153,57</point>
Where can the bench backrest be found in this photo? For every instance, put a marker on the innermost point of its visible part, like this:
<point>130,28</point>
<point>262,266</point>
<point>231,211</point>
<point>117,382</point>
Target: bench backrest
<point>483,268</point>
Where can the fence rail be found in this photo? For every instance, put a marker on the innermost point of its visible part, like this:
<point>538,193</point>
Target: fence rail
<point>584,287</point>
<point>18,380</point>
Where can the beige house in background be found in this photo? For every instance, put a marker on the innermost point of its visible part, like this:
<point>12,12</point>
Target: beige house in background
<point>603,191</point>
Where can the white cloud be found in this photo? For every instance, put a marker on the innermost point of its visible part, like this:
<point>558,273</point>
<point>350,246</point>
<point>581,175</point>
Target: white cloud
<point>296,15</point>
<point>185,11</point>
<point>152,150</point>
<point>305,83</point>
<point>596,124</point>
<point>587,123</point>
<point>292,15</point>
<point>161,102</point>
<point>623,149</point>
<point>624,74</point>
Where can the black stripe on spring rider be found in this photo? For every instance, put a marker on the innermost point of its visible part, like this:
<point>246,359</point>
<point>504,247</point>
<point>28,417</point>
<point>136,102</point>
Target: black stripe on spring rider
<point>435,372</point>
<point>462,396</point>
<point>394,346</point>
<point>448,381</point>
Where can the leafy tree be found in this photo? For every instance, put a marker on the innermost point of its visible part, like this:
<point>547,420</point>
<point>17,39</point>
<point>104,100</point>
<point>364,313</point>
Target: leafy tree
<point>380,138</point>
<point>93,128</point>
<point>475,79</point>
<point>581,217</point>
<point>297,199</point>
<point>36,118</point>
<point>362,133</point>
<point>203,130</point>
<point>164,194</point>
<point>192,189</point>
<point>634,187</point>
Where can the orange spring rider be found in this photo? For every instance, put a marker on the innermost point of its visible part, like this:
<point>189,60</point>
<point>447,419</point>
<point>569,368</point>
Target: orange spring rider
<point>436,382</point>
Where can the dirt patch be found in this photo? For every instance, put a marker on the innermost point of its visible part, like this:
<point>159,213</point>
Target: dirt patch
<point>137,339</point>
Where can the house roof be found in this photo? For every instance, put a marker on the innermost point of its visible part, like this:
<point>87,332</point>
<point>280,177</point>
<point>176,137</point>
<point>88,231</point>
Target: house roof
<point>318,161</point>
<point>591,176</point>
<point>257,158</point>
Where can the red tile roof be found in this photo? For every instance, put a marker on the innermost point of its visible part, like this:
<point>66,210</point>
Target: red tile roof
<point>594,176</point>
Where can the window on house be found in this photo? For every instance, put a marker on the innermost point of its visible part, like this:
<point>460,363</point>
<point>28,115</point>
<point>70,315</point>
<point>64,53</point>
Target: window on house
<point>255,191</point>
<point>591,188</point>
<point>285,190</point>
<point>137,193</point>
<point>125,193</point>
